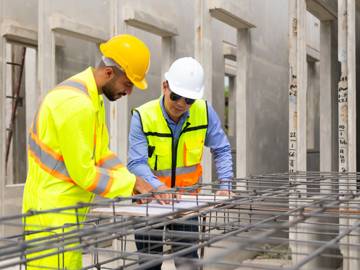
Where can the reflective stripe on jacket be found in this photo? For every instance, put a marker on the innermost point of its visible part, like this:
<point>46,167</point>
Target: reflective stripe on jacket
<point>175,165</point>
<point>68,157</point>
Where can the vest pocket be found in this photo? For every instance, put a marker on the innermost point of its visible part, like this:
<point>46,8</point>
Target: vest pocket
<point>193,152</point>
<point>161,157</point>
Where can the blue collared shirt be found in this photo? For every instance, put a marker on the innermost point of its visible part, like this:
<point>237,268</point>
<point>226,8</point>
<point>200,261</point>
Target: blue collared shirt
<point>215,139</point>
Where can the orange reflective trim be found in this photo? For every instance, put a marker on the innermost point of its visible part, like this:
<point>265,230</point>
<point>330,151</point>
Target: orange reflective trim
<point>166,180</point>
<point>95,181</point>
<point>108,187</point>
<point>50,171</point>
<point>183,179</point>
<point>46,148</point>
<point>110,162</point>
<point>106,158</point>
<point>117,167</point>
<point>189,179</point>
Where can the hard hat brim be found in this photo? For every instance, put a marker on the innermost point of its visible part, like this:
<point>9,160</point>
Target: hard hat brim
<point>185,92</point>
<point>142,85</point>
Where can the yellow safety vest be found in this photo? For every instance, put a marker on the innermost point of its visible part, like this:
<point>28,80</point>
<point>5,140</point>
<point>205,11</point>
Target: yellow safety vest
<point>181,167</point>
<point>69,162</point>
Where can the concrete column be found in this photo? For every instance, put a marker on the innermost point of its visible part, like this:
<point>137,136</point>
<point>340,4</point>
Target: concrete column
<point>343,87</point>
<point>46,51</point>
<point>2,120</point>
<point>297,86</point>
<point>119,116</point>
<point>203,53</point>
<point>232,110</point>
<point>242,69</point>
<point>293,86</point>
<point>167,54</point>
<point>347,125</point>
<point>302,87</point>
<point>351,52</point>
<point>326,105</point>
<point>326,100</point>
<point>297,116</point>
<point>30,82</point>
<point>293,115</point>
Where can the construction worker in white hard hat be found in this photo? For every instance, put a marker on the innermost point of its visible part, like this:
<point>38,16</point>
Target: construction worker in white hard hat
<point>69,157</point>
<point>166,141</point>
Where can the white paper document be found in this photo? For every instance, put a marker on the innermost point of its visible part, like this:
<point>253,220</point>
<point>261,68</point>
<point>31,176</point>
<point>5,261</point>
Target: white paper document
<point>186,202</point>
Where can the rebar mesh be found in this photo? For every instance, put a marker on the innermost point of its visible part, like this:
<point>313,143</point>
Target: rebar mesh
<point>274,221</point>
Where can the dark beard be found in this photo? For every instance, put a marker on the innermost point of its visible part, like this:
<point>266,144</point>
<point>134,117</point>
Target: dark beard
<point>107,91</point>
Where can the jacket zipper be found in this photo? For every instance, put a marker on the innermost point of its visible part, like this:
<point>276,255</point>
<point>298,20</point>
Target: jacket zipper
<point>156,162</point>
<point>174,154</point>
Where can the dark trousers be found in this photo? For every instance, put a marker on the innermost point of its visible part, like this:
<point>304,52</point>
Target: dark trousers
<point>152,244</point>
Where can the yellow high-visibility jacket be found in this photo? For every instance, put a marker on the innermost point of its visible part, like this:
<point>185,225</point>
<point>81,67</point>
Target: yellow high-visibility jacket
<point>69,162</point>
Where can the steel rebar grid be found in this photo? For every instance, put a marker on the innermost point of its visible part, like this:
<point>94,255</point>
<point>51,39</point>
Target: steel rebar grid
<point>255,222</point>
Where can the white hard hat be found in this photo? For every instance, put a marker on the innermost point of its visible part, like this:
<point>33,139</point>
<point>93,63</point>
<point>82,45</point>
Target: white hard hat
<point>186,78</point>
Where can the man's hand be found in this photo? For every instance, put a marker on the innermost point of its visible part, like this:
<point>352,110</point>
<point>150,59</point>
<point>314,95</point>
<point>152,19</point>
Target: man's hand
<point>163,197</point>
<point>225,188</point>
<point>142,187</point>
<point>224,192</point>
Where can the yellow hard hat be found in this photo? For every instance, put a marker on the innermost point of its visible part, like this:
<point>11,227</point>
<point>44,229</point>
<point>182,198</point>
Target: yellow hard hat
<point>131,54</point>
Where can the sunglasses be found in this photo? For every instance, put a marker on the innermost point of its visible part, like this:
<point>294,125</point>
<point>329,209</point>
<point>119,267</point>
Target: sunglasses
<point>175,97</point>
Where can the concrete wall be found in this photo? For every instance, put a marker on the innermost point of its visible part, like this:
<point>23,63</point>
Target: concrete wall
<point>268,94</point>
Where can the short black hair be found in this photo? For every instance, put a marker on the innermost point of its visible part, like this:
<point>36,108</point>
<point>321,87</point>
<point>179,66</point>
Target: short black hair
<point>117,71</point>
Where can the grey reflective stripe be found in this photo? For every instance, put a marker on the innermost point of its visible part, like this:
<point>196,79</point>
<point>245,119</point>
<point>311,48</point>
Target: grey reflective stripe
<point>74,84</point>
<point>162,172</point>
<point>46,159</point>
<point>184,170</point>
<point>103,182</point>
<point>114,161</point>
<point>179,170</point>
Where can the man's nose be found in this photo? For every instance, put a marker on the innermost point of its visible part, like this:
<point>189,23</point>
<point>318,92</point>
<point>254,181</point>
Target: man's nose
<point>181,102</point>
<point>129,90</point>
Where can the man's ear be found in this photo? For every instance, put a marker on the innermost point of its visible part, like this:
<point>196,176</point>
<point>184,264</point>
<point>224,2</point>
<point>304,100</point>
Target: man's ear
<point>108,72</point>
<point>163,87</point>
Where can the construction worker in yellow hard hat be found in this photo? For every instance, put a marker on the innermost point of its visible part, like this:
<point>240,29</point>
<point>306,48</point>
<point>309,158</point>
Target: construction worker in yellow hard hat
<point>68,154</point>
